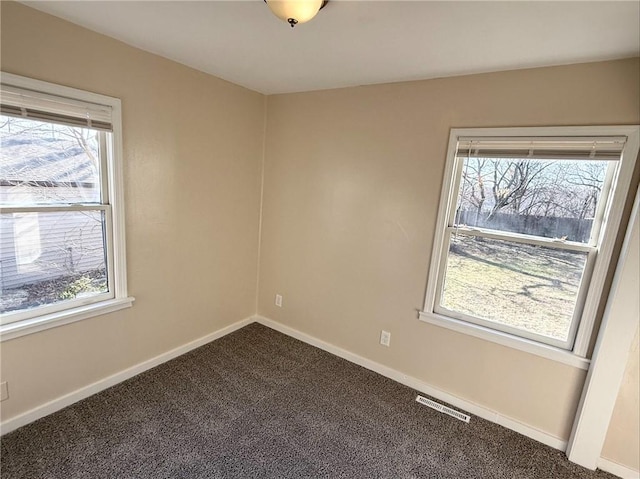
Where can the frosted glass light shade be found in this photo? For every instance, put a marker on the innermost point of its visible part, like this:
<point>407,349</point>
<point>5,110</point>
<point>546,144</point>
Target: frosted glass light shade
<point>300,11</point>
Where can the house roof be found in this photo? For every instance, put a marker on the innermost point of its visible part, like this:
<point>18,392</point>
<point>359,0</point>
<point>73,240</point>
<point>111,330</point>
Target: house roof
<point>37,159</point>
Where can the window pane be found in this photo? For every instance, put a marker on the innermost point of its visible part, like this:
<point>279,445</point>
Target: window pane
<point>45,163</point>
<point>547,198</point>
<point>532,288</point>
<point>49,258</point>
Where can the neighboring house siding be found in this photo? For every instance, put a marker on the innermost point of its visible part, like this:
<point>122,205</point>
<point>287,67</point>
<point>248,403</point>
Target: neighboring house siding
<point>44,246</point>
<point>40,166</point>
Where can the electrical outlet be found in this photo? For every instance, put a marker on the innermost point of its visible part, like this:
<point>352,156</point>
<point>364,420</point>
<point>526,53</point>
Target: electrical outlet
<point>279,300</point>
<point>385,338</point>
<point>4,391</point>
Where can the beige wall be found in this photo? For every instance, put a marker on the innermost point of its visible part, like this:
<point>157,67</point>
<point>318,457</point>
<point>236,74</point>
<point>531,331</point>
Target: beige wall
<point>192,164</point>
<point>622,444</point>
<point>352,183</point>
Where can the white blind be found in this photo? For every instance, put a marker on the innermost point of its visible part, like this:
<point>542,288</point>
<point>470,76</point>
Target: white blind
<point>24,103</point>
<point>577,148</point>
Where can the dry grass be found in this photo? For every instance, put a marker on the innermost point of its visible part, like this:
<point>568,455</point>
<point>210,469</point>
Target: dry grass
<point>53,291</point>
<point>528,287</point>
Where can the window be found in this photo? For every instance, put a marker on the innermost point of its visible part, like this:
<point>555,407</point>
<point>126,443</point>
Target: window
<point>526,228</point>
<point>61,219</point>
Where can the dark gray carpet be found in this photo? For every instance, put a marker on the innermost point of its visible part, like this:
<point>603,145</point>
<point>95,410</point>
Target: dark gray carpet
<point>257,403</point>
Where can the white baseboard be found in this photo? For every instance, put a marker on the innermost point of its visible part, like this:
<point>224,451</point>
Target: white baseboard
<point>421,386</point>
<point>86,391</point>
<point>617,469</point>
<point>414,383</point>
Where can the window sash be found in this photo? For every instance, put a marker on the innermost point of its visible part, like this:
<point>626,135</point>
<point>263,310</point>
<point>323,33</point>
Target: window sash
<point>23,314</point>
<point>55,208</point>
<point>602,206</point>
<point>521,238</point>
<point>565,246</point>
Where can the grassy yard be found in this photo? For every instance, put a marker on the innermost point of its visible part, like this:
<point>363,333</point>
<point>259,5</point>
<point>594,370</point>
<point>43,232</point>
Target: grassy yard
<point>531,287</point>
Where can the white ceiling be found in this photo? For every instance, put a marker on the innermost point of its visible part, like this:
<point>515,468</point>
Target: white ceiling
<point>363,42</point>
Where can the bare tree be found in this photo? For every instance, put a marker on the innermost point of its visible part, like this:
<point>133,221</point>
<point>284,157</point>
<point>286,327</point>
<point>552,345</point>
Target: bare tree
<point>473,186</point>
<point>588,178</point>
<point>531,196</point>
<point>511,181</point>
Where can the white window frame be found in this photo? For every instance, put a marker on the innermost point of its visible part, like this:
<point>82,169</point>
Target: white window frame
<point>600,248</point>
<point>20,323</point>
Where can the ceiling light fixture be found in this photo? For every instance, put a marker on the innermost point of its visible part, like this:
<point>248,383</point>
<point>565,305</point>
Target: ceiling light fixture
<point>296,11</point>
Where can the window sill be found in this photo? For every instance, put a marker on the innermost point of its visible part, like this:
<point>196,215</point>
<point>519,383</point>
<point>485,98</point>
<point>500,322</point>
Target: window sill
<point>53,320</point>
<point>508,340</point>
